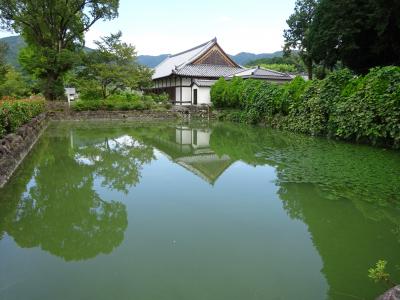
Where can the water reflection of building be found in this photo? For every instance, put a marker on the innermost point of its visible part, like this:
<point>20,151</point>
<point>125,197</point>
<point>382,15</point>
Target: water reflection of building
<point>183,144</point>
<point>190,148</point>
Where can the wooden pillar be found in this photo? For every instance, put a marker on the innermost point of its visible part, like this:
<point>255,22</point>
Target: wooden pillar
<point>181,91</point>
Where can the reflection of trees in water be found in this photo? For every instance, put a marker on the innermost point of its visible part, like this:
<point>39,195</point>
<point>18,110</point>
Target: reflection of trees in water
<point>350,205</point>
<point>118,160</point>
<point>341,170</point>
<point>347,241</point>
<point>337,171</point>
<point>51,202</point>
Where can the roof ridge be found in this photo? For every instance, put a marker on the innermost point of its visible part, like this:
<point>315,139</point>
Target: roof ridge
<point>205,46</point>
<point>273,71</point>
<point>194,48</point>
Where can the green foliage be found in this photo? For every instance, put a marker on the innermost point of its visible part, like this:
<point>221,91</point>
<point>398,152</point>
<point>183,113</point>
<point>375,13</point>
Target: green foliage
<point>371,111</point>
<point>286,68</point>
<point>290,62</point>
<point>3,64</point>
<point>162,98</point>
<point>311,114</point>
<point>361,35</point>
<point>364,108</point>
<point>297,36</point>
<point>142,78</point>
<point>292,93</point>
<point>379,273</point>
<point>14,113</point>
<point>260,99</point>
<point>233,93</point>
<point>14,85</point>
<point>124,101</point>
<point>218,93</point>
<point>110,69</point>
<point>54,33</point>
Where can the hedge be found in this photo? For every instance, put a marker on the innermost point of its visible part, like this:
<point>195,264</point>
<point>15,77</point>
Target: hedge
<point>345,106</point>
<point>14,113</point>
<point>124,101</point>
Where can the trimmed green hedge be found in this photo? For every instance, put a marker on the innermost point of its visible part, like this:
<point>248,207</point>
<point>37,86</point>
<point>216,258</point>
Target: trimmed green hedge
<point>124,101</point>
<point>14,113</point>
<point>349,107</point>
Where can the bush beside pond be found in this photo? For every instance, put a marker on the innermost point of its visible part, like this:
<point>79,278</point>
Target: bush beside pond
<point>358,108</point>
<point>15,113</point>
<point>124,101</point>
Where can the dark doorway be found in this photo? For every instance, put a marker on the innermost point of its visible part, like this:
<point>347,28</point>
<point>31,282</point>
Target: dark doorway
<point>195,96</point>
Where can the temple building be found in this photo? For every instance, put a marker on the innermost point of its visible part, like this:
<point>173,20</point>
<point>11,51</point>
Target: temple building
<point>187,77</point>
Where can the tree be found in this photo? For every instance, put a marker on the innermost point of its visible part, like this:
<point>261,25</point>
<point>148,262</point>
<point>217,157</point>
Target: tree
<point>14,85</point>
<point>297,36</point>
<point>360,34</point>
<point>111,67</point>
<point>292,60</point>
<point>142,78</point>
<point>3,64</point>
<point>54,32</point>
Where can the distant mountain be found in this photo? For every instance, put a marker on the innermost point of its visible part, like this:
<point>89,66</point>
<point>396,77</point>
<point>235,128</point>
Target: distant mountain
<point>245,57</point>
<point>151,61</point>
<point>242,58</point>
<point>15,43</point>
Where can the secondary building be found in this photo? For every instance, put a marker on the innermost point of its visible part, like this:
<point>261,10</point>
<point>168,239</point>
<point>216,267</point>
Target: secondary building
<point>262,74</point>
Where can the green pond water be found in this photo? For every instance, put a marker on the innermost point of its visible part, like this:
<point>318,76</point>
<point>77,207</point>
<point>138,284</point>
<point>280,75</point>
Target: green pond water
<point>105,210</point>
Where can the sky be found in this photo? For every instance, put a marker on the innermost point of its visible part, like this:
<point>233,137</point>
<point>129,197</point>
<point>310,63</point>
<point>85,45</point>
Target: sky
<point>166,27</point>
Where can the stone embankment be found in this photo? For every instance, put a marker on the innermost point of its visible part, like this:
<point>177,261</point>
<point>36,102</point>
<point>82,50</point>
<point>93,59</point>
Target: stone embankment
<point>15,146</point>
<point>392,294</point>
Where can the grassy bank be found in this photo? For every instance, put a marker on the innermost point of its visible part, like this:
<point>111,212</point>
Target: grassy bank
<point>15,113</point>
<point>345,106</point>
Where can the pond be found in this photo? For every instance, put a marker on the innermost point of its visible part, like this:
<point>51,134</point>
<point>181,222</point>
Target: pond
<point>115,210</point>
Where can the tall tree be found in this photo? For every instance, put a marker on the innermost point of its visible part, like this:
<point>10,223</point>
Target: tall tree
<point>360,34</point>
<point>3,64</point>
<point>142,78</point>
<point>112,66</point>
<point>54,31</point>
<point>297,37</point>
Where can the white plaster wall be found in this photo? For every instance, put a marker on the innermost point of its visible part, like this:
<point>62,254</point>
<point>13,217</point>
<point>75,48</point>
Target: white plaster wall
<point>178,94</point>
<point>203,95</point>
<point>183,136</point>
<point>186,95</point>
<point>203,139</point>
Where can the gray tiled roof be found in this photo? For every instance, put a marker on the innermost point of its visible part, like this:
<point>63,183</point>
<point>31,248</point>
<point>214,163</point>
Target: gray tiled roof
<point>213,71</point>
<point>262,73</point>
<point>172,62</point>
<point>180,64</point>
<point>204,82</point>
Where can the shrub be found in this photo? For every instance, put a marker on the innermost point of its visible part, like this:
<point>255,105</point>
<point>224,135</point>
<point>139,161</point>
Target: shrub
<point>341,105</point>
<point>161,98</point>
<point>286,68</point>
<point>218,93</point>
<point>291,94</point>
<point>370,110</point>
<point>15,113</point>
<point>233,92</point>
<point>124,101</point>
